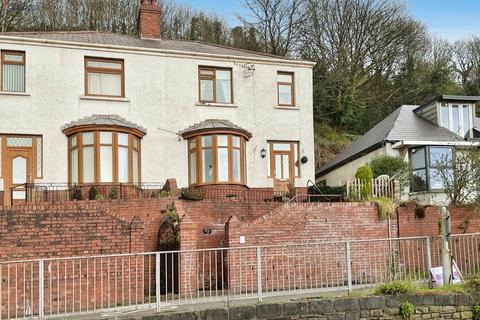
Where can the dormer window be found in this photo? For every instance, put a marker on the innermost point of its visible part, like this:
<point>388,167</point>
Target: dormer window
<point>457,118</point>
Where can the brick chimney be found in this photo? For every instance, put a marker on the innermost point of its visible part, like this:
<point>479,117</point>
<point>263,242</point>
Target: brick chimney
<point>149,19</point>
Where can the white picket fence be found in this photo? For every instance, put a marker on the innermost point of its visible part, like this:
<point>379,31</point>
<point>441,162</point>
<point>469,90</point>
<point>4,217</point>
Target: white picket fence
<point>381,187</point>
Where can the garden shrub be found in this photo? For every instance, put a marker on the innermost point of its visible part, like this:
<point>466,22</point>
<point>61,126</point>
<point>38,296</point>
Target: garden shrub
<point>164,194</point>
<point>407,310</point>
<point>365,175</point>
<point>386,207</point>
<point>77,194</point>
<point>395,287</point>
<point>100,197</point>
<point>92,193</point>
<point>192,194</point>
<point>388,165</point>
<point>473,285</point>
<point>113,193</point>
<point>476,312</point>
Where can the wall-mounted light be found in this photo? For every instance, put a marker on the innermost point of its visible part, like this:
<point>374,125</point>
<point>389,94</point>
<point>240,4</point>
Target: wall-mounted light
<point>263,153</point>
<point>207,231</point>
<point>304,160</point>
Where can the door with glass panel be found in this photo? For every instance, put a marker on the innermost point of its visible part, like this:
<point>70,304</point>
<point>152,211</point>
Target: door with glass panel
<point>19,172</point>
<point>282,170</point>
<point>283,164</point>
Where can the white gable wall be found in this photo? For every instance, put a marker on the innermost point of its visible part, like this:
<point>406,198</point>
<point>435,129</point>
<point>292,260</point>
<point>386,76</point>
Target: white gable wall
<point>340,175</point>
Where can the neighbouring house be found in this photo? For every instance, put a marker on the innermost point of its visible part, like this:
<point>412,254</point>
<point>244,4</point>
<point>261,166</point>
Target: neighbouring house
<point>419,134</point>
<point>92,107</point>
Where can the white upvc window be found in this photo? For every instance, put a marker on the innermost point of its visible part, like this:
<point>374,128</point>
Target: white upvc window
<point>456,117</point>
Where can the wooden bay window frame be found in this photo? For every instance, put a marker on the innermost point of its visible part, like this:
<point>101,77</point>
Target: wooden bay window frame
<point>104,70</point>
<point>134,144</point>
<point>203,75</point>
<point>197,149</point>
<point>290,84</point>
<point>18,63</point>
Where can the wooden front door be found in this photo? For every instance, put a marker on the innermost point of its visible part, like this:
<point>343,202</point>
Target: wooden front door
<point>19,172</point>
<point>283,170</point>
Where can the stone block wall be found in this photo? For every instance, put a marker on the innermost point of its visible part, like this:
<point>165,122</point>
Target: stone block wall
<point>440,306</point>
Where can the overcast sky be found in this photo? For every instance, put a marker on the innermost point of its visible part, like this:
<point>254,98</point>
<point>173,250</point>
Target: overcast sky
<point>451,19</point>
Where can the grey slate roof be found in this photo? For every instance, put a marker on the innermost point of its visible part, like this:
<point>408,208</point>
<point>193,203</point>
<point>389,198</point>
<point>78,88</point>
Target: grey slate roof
<point>116,39</point>
<point>106,120</point>
<point>211,124</point>
<point>401,125</point>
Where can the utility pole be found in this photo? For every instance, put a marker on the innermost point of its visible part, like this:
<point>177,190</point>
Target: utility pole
<point>446,258</point>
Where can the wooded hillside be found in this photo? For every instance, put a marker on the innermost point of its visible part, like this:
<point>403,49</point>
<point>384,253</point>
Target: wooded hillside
<point>372,55</point>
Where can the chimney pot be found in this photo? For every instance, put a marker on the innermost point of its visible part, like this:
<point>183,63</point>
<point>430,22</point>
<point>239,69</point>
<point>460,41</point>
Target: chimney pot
<point>149,19</point>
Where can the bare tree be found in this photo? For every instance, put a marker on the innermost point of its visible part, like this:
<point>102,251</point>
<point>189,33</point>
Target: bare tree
<point>460,176</point>
<point>467,63</point>
<point>277,23</point>
<point>358,45</point>
<point>14,15</point>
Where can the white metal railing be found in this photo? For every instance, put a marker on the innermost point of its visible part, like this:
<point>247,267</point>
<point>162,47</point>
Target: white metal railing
<point>380,187</point>
<point>44,288</point>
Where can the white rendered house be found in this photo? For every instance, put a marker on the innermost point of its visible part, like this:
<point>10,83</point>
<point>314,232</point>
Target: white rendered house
<point>92,107</point>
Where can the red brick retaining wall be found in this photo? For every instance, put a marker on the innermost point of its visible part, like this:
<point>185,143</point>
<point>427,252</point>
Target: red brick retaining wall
<point>464,220</point>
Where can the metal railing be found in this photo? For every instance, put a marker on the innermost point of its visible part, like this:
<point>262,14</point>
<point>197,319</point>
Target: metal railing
<point>52,287</point>
<point>240,194</point>
<point>63,192</point>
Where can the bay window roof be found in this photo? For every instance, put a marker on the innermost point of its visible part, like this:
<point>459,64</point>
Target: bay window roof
<point>213,125</point>
<point>98,120</point>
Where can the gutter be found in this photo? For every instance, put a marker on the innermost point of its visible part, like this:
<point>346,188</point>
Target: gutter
<point>401,144</point>
<point>152,51</point>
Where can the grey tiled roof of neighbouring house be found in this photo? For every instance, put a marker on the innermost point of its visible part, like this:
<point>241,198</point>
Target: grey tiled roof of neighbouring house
<point>116,39</point>
<point>212,124</point>
<point>401,125</point>
<point>105,120</point>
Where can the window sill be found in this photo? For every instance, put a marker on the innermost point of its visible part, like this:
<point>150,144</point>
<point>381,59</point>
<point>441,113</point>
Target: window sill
<point>214,104</point>
<point>412,193</point>
<point>104,98</point>
<point>287,107</point>
<point>8,93</point>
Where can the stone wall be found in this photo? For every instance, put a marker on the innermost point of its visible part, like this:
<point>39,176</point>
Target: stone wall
<point>445,306</point>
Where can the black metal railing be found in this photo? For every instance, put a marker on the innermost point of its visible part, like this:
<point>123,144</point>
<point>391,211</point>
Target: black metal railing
<point>63,192</point>
<point>235,194</point>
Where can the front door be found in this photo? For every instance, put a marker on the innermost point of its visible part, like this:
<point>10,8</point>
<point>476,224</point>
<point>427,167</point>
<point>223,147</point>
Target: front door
<point>282,171</point>
<point>19,172</point>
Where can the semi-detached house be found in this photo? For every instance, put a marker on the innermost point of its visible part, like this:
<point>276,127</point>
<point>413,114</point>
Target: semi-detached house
<point>92,107</point>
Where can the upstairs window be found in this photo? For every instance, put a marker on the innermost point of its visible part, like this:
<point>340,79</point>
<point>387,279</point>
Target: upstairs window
<point>215,85</point>
<point>285,89</point>
<point>457,118</point>
<point>104,77</point>
<point>13,71</point>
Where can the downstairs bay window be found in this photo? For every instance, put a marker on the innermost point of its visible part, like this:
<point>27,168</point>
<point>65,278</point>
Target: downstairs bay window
<point>104,156</point>
<point>425,163</point>
<point>216,159</point>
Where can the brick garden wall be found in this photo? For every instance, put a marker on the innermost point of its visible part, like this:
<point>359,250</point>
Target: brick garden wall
<point>314,257</point>
<point>301,222</point>
<point>33,231</point>
<point>464,220</point>
<point>196,216</point>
